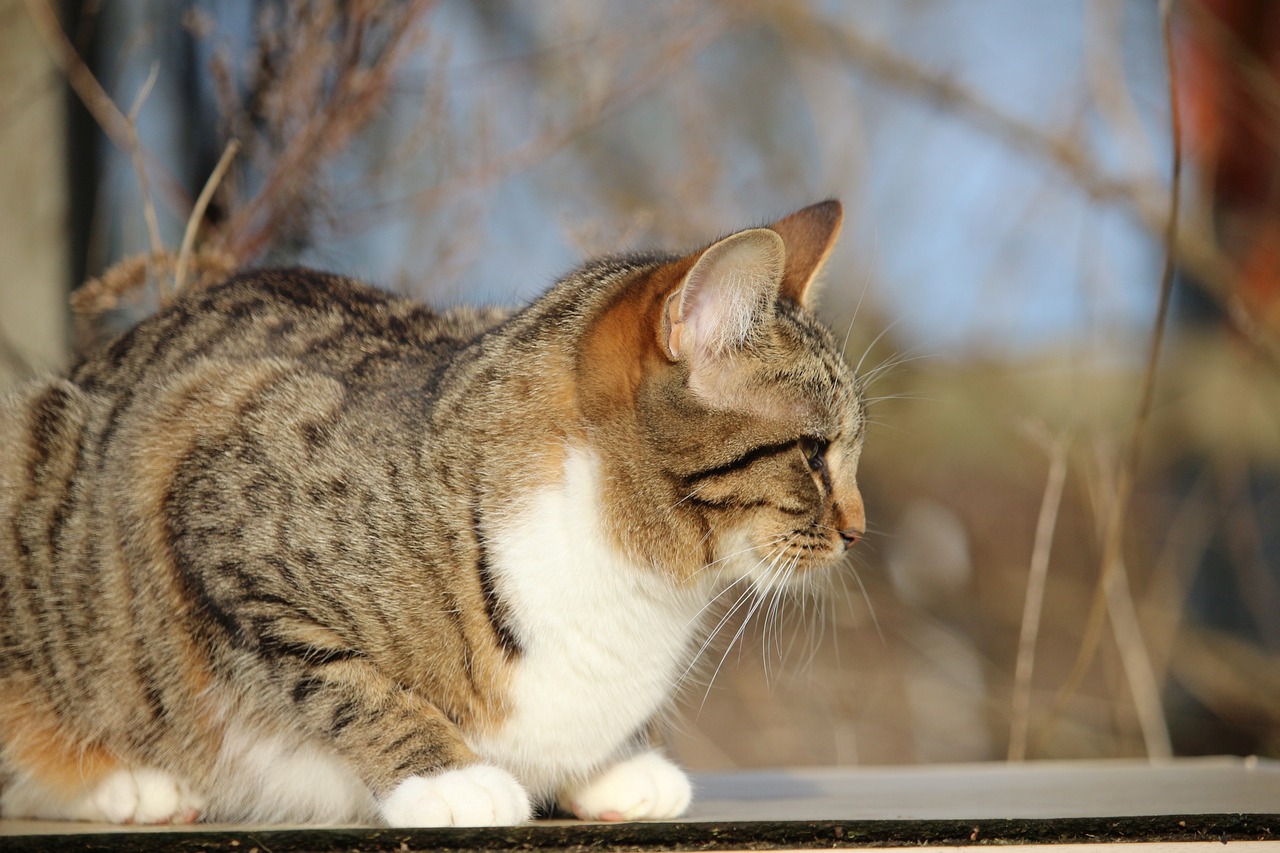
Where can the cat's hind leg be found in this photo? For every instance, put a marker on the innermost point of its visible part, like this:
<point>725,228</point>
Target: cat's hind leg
<point>47,773</point>
<point>145,795</point>
<point>141,796</point>
<point>644,787</point>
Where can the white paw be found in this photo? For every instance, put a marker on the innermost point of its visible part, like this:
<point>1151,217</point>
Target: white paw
<point>477,795</point>
<point>646,786</point>
<point>144,795</point>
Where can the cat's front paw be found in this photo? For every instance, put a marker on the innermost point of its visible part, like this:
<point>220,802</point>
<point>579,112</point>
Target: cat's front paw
<point>478,795</point>
<point>644,787</point>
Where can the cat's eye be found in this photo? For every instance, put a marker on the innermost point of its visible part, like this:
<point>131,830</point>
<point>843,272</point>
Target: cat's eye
<point>815,452</point>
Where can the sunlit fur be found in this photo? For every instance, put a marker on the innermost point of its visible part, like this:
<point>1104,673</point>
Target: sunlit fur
<point>294,549</point>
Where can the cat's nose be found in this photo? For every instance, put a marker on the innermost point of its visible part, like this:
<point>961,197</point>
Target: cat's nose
<point>851,517</point>
<point>851,535</point>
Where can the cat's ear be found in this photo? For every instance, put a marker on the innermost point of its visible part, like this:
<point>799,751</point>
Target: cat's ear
<point>731,286</point>
<point>809,235</point>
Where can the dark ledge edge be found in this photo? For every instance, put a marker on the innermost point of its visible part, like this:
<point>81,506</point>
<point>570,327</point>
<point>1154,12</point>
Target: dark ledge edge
<point>743,835</point>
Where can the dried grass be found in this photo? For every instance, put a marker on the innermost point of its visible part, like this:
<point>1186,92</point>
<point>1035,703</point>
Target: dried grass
<point>339,56</point>
<point>126,277</point>
<point>1033,608</point>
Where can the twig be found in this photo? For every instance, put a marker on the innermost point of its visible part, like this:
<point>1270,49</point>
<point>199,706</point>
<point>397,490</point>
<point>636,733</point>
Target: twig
<point>95,99</point>
<point>103,293</point>
<point>903,73</point>
<point>356,94</point>
<point>144,188</point>
<point>490,171</point>
<point>1110,597</point>
<point>197,213</point>
<point>1136,661</point>
<point>1191,529</point>
<point>1103,66</point>
<point>1033,604</point>
<point>91,93</point>
<point>1197,250</point>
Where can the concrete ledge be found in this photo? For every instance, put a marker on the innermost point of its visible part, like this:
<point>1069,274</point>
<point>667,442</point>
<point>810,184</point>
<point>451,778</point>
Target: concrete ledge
<point>1061,834</point>
<point>1076,804</point>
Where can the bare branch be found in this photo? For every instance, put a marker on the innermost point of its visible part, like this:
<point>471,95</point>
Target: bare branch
<point>1112,594</point>
<point>355,96</point>
<point>95,99</point>
<point>140,167</point>
<point>1033,604</point>
<point>682,48</point>
<point>1197,250</point>
<point>197,213</point>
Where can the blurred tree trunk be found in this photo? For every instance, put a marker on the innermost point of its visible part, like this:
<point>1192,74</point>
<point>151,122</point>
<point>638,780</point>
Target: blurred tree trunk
<point>33,201</point>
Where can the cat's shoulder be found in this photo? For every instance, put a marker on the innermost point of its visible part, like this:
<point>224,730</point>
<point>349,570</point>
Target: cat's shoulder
<point>298,286</point>
<point>305,289</point>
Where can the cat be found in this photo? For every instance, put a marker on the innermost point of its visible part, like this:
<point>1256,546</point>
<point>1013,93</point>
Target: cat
<point>294,549</point>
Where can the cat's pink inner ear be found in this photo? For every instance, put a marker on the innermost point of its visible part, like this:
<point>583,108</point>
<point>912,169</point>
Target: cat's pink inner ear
<point>809,235</point>
<point>730,287</point>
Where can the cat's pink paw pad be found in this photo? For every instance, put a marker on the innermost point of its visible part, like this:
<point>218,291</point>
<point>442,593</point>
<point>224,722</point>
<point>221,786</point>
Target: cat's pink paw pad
<point>478,795</point>
<point>646,787</point>
<point>145,796</point>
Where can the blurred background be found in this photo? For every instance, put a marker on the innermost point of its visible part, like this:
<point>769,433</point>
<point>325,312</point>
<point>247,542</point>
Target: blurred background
<point>1056,569</point>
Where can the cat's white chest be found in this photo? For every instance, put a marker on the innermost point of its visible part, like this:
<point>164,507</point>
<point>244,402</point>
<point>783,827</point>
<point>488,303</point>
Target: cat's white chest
<point>603,641</point>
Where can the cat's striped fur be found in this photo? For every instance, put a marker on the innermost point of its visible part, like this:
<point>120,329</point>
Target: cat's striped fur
<point>296,549</point>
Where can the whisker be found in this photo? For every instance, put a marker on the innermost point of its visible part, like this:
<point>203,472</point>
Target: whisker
<point>866,284</point>
<point>772,555</point>
<point>880,398</point>
<point>691,494</point>
<point>907,356</point>
<point>871,610</point>
<point>772,616</point>
<point>835,622</point>
<point>711,635</point>
<point>736,554</point>
<point>857,367</point>
<point>771,591</point>
<point>744,576</point>
<point>757,587</point>
<point>816,628</point>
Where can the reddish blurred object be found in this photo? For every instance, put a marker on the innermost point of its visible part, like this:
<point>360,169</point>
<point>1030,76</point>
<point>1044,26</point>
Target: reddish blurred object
<point>1229,80</point>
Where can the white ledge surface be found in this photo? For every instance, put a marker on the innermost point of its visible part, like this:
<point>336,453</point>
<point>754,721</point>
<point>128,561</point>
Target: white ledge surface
<point>1038,789</point>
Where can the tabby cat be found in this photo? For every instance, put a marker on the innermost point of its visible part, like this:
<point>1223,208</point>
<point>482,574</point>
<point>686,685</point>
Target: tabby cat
<point>294,549</point>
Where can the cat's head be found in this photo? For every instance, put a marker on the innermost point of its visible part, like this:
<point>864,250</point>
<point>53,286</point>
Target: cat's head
<point>728,422</point>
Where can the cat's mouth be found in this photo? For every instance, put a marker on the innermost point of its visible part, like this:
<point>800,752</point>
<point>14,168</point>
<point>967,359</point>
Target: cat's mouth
<point>786,557</point>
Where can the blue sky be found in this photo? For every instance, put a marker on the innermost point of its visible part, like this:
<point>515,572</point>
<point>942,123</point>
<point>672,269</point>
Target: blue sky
<point>968,244</point>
